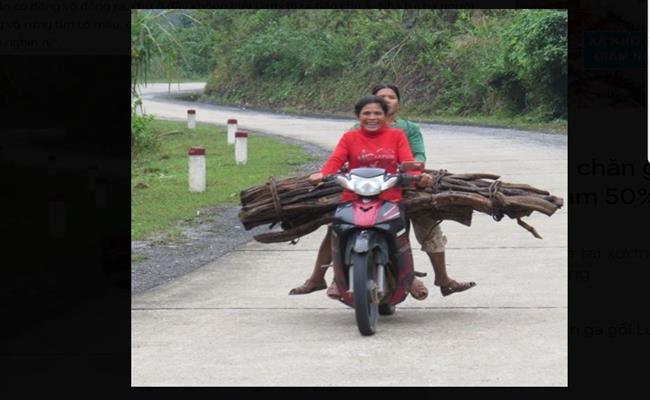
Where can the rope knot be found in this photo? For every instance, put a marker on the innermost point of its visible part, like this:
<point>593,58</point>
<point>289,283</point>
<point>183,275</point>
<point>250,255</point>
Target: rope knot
<point>277,206</point>
<point>494,188</point>
<point>436,184</point>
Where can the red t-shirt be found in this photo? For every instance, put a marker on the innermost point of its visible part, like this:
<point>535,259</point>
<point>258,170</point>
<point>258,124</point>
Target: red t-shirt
<point>382,149</point>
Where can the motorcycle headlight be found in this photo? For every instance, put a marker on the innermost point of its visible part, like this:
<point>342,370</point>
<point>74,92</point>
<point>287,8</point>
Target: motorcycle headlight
<point>367,186</point>
<point>389,183</point>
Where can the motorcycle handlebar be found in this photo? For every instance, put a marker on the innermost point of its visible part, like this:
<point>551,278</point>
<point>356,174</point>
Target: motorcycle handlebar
<point>408,180</point>
<point>330,178</point>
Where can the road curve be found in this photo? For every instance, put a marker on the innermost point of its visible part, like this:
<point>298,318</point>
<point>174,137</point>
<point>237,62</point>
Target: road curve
<point>231,323</point>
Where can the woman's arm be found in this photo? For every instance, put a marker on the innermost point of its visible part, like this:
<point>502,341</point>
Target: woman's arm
<point>404,152</point>
<point>338,157</point>
<point>417,143</point>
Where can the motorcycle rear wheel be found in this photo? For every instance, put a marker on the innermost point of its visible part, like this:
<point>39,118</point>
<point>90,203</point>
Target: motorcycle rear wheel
<point>365,278</point>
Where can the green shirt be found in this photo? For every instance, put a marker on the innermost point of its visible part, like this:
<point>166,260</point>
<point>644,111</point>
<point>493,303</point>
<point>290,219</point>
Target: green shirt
<point>414,136</point>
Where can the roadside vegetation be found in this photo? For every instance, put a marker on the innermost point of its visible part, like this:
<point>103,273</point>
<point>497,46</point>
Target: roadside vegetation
<point>159,173</point>
<point>486,67</point>
<point>508,66</point>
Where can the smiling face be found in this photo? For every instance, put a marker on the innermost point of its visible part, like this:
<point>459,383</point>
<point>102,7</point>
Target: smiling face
<point>372,117</point>
<point>391,99</point>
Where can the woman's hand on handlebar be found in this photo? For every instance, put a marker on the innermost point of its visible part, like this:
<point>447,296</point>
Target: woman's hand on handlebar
<point>315,178</point>
<point>425,181</point>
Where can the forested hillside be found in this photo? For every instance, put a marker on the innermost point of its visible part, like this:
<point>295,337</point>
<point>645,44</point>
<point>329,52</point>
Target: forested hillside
<point>503,63</point>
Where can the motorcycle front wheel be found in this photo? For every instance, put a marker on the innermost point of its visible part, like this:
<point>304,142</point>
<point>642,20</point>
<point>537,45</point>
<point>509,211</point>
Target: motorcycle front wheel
<point>365,279</point>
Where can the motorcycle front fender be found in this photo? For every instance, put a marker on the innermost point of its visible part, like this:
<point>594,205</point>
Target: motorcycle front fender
<point>365,240</point>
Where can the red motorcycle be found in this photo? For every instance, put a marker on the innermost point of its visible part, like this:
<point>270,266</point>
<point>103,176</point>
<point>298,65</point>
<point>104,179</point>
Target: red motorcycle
<point>371,252</point>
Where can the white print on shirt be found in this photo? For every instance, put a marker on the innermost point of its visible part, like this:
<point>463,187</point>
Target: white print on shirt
<point>382,158</point>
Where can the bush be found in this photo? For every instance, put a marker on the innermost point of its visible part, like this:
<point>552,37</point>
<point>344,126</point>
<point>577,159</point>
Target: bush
<point>142,137</point>
<point>538,56</point>
<point>458,62</point>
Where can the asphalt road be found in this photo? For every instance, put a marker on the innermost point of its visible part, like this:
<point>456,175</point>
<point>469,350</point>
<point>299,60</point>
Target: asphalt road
<point>231,322</point>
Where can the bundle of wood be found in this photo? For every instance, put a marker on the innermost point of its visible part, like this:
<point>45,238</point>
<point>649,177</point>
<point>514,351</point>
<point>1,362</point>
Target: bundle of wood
<point>301,208</point>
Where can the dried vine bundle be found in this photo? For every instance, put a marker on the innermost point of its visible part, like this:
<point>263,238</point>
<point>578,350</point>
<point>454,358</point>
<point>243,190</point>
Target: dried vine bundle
<point>300,208</point>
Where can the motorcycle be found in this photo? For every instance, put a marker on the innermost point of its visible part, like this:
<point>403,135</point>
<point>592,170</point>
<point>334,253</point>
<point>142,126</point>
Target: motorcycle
<point>371,252</point>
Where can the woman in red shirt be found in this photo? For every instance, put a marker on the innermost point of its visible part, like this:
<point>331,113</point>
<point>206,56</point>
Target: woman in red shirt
<point>374,145</point>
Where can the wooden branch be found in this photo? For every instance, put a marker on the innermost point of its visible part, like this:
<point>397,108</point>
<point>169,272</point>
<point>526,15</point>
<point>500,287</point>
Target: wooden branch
<point>528,228</point>
<point>294,233</point>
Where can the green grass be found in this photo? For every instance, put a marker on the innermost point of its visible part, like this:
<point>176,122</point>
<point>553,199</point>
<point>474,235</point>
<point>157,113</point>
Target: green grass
<point>137,258</point>
<point>159,178</point>
<point>558,126</point>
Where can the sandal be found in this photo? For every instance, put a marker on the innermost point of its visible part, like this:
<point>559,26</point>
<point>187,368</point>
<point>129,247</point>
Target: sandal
<point>308,287</point>
<point>333,291</point>
<point>418,290</point>
<point>455,287</point>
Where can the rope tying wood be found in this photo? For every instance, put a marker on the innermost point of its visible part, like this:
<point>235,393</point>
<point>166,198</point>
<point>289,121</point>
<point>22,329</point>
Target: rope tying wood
<point>494,188</point>
<point>273,189</point>
<point>440,174</point>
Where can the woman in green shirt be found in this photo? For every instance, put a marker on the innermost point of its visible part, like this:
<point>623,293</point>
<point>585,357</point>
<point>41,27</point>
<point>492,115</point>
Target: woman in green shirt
<point>427,231</point>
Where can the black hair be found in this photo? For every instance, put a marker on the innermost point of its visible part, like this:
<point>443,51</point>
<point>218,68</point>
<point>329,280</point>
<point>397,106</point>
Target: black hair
<point>369,100</point>
<point>392,87</point>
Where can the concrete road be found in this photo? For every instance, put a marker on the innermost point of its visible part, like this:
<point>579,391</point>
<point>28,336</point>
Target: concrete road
<point>231,322</point>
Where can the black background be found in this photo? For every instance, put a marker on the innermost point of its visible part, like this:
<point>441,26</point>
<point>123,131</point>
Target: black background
<point>65,190</point>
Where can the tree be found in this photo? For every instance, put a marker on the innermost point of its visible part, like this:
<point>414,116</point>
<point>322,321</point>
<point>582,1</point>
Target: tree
<point>153,33</point>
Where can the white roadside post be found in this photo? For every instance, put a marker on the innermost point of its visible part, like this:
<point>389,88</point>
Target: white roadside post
<point>191,118</point>
<point>232,128</point>
<point>241,147</point>
<point>197,169</point>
